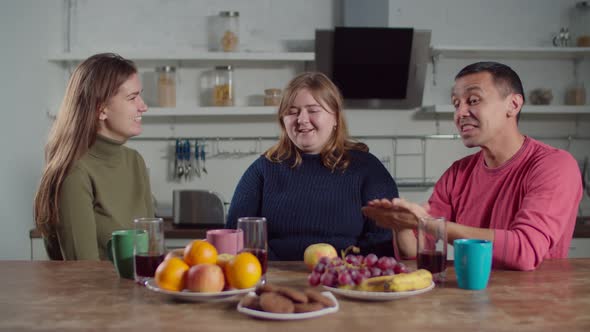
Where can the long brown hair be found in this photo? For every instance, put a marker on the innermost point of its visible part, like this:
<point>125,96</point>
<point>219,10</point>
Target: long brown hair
<point>334,154</point>
<point>92,84</point>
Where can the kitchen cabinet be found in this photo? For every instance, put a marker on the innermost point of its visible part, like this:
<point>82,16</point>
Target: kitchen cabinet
<point>38,252</point>
<point>579,248</point>
<point>174,238</point>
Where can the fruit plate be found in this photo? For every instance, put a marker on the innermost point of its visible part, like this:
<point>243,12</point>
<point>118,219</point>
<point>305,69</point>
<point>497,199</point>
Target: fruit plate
<point>376,296</point>
<point>186,295</point>
<point>275,316</point>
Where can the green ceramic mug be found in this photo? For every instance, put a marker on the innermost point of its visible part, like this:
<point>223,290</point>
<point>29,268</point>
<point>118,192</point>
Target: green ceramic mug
<point>120,250</point>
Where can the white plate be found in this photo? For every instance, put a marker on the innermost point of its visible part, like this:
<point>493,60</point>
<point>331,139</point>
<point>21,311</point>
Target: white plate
<point>303,315</point>
<point>186,295</point>
<point>377,296</point>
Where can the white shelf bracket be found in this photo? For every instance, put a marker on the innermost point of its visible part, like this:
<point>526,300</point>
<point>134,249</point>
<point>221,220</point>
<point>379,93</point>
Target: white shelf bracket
<point>576,68</point>
<point>434,59</point>
<point>437,123</point>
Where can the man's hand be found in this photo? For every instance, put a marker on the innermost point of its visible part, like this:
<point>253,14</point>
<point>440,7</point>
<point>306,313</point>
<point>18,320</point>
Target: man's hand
<point>397,214</point>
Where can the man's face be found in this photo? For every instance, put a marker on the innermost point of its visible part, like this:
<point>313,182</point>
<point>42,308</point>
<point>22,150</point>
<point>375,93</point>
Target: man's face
<point>480,109</point>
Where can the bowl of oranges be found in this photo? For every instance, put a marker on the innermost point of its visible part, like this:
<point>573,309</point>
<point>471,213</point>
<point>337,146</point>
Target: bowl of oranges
<point>199,273</point>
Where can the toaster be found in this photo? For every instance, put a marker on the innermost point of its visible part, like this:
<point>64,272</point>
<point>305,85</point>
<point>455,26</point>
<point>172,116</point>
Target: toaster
<point>198,208</point>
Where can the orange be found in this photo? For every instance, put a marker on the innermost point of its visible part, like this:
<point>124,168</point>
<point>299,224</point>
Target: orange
<point>243,271</point>
<point>200,252</point>
<point>171,274</point>
<point>175,253</point>
<point>223,259</point>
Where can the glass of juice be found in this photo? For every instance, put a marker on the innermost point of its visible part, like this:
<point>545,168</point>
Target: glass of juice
<point>432,247</point>
<point>148,248</point>
<point>255,239</point>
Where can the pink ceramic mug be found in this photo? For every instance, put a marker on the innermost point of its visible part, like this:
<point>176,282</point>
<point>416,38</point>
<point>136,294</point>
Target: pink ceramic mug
<point>226,241</point>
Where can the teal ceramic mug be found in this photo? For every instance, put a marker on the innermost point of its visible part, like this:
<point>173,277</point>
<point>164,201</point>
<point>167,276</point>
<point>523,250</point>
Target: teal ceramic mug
<point>120,250</point>
<point>473,263</point>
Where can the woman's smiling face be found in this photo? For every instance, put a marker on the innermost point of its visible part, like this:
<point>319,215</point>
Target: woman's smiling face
<point>121,117</point>
<point>308,123</point>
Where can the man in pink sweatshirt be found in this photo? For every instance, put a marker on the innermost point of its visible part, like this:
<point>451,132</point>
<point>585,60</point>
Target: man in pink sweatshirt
<point>517,192</point>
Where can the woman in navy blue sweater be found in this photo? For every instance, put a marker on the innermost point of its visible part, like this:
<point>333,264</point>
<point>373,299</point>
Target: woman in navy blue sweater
<point>311,185</point>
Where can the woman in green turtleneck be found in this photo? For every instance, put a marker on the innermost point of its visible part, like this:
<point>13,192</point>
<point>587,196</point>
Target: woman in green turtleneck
<point>92,184</point>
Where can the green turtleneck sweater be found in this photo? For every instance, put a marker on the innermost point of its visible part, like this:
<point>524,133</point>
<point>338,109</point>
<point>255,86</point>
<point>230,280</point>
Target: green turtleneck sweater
<point>105,190</point>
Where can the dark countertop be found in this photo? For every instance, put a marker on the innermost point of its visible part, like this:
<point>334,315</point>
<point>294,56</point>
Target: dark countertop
<point>171,231</point>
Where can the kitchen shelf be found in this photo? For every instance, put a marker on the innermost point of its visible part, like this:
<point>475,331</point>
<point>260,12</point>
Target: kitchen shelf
<point>527,109</point>
<point>197,55</point>
<point>159,112</point>
<point>155,112</point>
<point>510,52</point>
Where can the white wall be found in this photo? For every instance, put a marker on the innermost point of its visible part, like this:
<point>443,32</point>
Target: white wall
<point>28,31</point>
<point>31,30</point>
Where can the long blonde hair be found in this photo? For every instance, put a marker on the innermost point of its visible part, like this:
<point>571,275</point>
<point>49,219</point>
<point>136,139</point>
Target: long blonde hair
<point>92,84</point>
<point>334,154</point>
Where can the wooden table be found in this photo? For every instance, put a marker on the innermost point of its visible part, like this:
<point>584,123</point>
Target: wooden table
<point>89,296</point>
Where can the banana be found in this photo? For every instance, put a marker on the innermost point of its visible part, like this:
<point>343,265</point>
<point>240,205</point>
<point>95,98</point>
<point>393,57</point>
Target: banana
<point>409,281</point>
<point>375,284</point>
<point>397,283</point>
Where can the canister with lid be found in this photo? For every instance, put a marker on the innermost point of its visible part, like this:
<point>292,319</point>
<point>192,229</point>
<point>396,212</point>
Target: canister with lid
<point>272,97</point>
<point>228,31</point>
<point>223,88</point>
<point>166,86</point>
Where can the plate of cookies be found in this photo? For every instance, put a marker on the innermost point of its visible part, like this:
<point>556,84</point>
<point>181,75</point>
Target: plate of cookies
<point>285,303</point>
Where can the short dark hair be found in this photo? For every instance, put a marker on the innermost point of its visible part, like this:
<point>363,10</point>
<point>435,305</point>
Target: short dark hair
<point>504,77</point>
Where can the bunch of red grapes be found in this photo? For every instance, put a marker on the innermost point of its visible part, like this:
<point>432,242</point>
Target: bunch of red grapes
<point>353,270</point>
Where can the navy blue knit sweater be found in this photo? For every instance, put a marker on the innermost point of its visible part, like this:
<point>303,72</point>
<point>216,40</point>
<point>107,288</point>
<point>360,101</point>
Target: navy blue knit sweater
<point>311,204</point>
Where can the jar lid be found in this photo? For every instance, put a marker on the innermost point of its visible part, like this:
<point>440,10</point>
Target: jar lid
<point>166,69</point>
<point>229,14</point>
<point>224,68</point>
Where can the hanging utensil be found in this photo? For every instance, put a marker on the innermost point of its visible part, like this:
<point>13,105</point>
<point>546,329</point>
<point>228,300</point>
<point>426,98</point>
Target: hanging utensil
<point>179,169</point>
<point>203,159</point>
<point>197,163</point>
<point>187,159</point>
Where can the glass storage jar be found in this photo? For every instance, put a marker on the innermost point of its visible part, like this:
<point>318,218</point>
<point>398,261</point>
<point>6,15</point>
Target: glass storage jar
<point>272,97</point>
<point>166,86</point>
<point>223,88</point>
<point>575,95</point>
<point>228,31</point>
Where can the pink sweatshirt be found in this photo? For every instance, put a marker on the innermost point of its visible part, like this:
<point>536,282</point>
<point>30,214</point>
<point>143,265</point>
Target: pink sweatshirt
<point>531,202</point>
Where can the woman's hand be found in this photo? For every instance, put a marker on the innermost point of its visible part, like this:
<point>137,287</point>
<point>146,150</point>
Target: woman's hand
<point>397,214</point>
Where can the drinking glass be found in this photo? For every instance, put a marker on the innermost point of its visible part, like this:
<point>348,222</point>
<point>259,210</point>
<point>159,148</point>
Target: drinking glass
<point>148,255</point>
<point>432,247</point>
<point>255,239</point>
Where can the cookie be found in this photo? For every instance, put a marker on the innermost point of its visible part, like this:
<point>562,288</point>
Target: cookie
<point>307,307</point>
<point>264,288</point>
<point>316,296</point>
<point>293,294</point>
<point>251,302</point>
<point>277,303</point>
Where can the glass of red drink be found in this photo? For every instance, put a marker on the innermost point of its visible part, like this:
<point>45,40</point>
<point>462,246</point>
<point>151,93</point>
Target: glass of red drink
<point>432,247</point>
<point>148,248</point>
<point>255,239</point>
